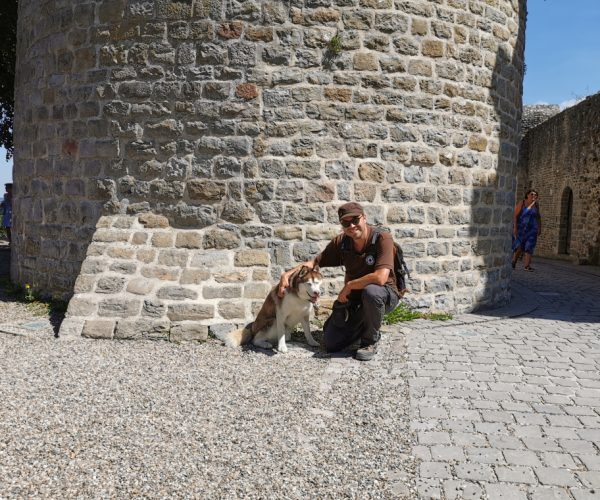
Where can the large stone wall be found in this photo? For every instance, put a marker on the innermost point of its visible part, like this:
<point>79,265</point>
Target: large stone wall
<point>184,153</point>
<point>562,155</point>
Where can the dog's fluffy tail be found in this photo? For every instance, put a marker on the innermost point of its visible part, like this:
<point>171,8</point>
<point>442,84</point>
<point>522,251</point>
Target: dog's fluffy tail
<point>236,338</point>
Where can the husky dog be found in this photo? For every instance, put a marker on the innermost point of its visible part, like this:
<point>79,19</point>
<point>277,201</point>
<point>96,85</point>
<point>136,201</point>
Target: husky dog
<point>278,316</point>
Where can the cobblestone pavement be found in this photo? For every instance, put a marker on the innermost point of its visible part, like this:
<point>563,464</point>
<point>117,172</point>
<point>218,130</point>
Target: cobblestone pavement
<point>509,407</point>
<point>503,404</point>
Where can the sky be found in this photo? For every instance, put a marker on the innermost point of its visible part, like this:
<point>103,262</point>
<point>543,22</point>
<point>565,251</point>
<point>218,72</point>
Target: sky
<point>562,56</point>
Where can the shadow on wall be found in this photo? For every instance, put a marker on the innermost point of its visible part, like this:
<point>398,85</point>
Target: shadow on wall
<point>494,184</point>
<point>4,261</point>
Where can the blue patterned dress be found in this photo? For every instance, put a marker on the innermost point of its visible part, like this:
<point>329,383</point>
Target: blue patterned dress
<point>528,227</point>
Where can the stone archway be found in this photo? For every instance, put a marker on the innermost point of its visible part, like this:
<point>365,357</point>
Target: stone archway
<point>565,225</point>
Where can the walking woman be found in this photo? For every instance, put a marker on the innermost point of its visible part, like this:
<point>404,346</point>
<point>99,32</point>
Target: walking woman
<point>527,226</point>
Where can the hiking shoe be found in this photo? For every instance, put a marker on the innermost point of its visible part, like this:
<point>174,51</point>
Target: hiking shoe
<point>528,268</point>
<point>514,264</point>
<point>366,352</point>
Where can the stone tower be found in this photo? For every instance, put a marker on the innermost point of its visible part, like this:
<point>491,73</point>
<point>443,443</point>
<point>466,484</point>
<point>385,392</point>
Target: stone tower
<point>172,157</point>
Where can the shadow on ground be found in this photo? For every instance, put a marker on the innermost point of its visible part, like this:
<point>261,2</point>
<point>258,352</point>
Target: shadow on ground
<point>555,290</point>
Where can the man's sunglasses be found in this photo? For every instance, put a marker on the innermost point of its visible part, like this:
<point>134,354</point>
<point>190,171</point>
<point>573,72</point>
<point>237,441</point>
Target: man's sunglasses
<point>354,221</point>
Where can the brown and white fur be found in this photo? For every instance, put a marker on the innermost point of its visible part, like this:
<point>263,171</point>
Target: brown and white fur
<point>278,316</point>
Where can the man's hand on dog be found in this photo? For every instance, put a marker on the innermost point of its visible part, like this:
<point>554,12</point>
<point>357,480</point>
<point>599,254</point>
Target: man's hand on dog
<point>284,282</point>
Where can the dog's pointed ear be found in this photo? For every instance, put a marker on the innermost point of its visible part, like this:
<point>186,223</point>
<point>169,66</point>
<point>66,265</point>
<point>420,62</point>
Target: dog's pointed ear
<point>303,271</point>
<point>316,268</point>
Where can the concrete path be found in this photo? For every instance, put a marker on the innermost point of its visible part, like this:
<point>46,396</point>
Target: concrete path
<point>506,405</point>
<point>498,405</point>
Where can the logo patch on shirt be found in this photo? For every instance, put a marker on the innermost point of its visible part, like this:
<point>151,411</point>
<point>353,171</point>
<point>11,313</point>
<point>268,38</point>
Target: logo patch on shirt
<point>370,260</point>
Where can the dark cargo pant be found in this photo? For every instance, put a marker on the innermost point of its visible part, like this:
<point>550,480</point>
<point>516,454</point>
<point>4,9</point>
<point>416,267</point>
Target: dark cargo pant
<point>364,319</point>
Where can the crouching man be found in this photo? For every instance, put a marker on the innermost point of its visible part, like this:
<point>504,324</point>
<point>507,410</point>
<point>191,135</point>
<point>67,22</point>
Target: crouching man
<point>370,286</point>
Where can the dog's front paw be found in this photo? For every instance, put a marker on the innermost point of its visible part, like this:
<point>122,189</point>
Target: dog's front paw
<point>282,349</point>
<point>312,342</point>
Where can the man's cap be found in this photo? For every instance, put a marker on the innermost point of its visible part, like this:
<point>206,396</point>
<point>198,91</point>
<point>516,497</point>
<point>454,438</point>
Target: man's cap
<point>8,184</point>
<point>351,208</point>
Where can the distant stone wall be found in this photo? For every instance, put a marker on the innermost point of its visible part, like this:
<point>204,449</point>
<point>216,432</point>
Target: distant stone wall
<point>535,114</point>
<point>563,154</point>
<point>242,127</point>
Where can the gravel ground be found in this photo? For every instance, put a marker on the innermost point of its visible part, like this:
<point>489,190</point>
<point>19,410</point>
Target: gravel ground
<point>97,419</point>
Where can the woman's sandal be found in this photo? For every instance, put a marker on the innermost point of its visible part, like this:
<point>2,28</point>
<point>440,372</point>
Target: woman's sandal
<point>528,268</point>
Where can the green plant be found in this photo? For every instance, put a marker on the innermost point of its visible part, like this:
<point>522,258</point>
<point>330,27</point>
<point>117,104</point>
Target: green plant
<point>405,313</point>
<point>335,44</point>
<point>36,305</point>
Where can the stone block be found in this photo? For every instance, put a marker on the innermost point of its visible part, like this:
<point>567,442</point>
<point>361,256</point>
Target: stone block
<point>82,306</point>
<point>246,258</point>
<point>123,267</point>
<point>110,236</point>
<point>371,171</point>
<point>110,284</point>
<point>194,276</point>
<point>221,292</point>
<point>177,258</point>
<point>188,239</point>
<point>153,221</point>
<point>246,91</point>
<point>120,252</point>
<point>146,255</point>
<point>432,48</point>
<point>176,293</point>
<point>119,307</point>
<point>93,266</point>
<point>260,274</point>
<point>98,328</point>
<point>231,277</point>
<point>256,290</point>
<point>190,312</point>
<point>71,328</point>
<point>289,233</point>
<point>153,308</point>
<point>140,286</point>
<point>210,259</point>
<point>142,329</point>
<point>182,332</point>
<point>221,239</point>
<point>161,273</point>
<point>84,283</point>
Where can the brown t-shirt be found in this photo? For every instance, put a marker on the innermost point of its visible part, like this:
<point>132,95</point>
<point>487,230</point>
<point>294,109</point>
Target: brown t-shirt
<point>360,264</point>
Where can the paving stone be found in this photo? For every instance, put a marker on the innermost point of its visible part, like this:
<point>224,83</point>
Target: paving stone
<point>559,460</point>
<point>475,472</point>
<point>433,437</point>
<point>516,474</point>
<point>546,493</point>
<point>522,457</point>
<point>437,470</point>
<point>591,461</point>
<point>589,479</point>
<point>447,453</point>
<point>460,490</point>
<point>484,455</point>
<point>555,477</point>
<point>584,494</point>
<point>504,492</point>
